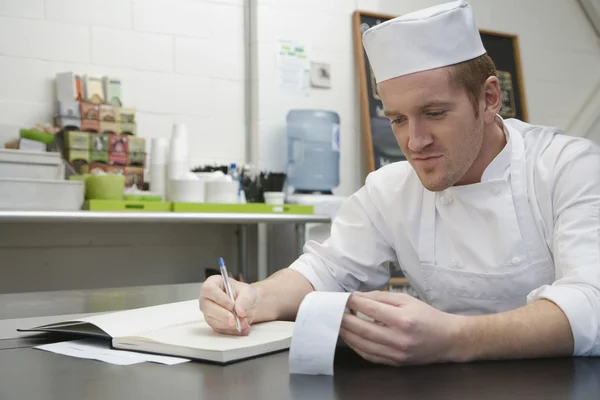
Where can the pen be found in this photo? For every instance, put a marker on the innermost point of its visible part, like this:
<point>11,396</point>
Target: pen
<point>229,291</point>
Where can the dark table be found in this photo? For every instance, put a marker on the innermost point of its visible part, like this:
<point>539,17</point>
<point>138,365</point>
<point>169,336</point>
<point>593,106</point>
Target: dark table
<point>27,373</point>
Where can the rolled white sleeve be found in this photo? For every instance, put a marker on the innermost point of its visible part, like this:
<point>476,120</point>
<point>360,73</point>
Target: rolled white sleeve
<point>576,248</point>
<point>352,257</point>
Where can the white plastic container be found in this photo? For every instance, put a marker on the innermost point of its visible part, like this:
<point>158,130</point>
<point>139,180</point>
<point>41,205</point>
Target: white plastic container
<point>221,192</point>
<point>31,164</point>
<point>274,198</point>
<point>23,194</point>
<point>187,190</point>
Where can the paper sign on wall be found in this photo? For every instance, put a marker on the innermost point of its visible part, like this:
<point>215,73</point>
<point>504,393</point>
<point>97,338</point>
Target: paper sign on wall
<point>293,67</point>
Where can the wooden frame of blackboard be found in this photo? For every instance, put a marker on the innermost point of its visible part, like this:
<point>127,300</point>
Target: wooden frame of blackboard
<point>359,55</point>
<point>360,60</point>
<point>524,116</point>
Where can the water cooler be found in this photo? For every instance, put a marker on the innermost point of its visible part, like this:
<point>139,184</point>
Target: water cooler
<point>314,164</point>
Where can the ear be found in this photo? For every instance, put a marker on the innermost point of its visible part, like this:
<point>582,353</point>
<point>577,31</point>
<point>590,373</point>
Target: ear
<point>492,99</point>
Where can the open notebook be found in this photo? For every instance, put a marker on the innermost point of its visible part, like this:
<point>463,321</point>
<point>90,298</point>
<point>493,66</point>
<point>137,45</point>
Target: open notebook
<point>177,329</point>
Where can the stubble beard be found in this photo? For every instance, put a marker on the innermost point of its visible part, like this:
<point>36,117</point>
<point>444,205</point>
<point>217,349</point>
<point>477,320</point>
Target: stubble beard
<point>454,166</point>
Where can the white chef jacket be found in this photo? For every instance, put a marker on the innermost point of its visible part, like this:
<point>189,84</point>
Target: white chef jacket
<point>529,230</point>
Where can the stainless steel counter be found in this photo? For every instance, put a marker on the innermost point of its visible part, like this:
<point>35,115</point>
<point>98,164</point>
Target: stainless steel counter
<point>242,220</point>
<point>192,218</point>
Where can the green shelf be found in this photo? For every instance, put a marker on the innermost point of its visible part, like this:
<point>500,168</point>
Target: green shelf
<point>127,205</point>
<point>252,208</point>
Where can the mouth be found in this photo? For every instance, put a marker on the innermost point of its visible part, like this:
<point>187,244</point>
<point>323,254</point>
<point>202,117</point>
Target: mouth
<point>427,158</point>
<point>426,161</point>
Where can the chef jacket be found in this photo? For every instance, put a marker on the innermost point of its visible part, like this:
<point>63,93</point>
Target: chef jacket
<point>529,230</point>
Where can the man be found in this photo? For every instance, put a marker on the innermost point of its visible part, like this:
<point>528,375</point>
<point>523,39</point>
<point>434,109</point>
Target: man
<point>495,223</point>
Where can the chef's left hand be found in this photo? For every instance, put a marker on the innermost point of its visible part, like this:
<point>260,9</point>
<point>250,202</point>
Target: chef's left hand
<point>405,331</point>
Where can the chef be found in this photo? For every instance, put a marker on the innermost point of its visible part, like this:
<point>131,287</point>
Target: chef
<point>495,223</point>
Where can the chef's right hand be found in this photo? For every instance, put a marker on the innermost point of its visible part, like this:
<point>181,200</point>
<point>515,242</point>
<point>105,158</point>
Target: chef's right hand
<point>218,308</point>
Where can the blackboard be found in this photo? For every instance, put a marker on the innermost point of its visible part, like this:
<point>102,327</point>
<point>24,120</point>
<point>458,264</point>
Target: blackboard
<point>379,143</point>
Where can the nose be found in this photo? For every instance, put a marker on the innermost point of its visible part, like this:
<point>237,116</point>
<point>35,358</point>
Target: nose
<point>418,136</point>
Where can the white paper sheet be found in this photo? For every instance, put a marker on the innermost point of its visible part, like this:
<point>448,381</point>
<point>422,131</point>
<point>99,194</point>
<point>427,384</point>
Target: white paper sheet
<point>97,349</point>
<point>293,67</point>
<point>316,332</point>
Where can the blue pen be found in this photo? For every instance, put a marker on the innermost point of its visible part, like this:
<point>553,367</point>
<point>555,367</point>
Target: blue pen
<point>229,291</point>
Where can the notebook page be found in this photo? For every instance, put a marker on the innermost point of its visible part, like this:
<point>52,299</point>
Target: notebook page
<point>141,320</point>
<point>201,336</point>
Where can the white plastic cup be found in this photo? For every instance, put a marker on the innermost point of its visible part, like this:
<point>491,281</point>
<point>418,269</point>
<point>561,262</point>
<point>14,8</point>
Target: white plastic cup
<point>178,152</point>
<point>159,155</point>
<point>274,198</point>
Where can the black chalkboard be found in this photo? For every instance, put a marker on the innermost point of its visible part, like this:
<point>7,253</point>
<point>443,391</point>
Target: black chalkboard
<point>379,143</point>
<point>504,51</point>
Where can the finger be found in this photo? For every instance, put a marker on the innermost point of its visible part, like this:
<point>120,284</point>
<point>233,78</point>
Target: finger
<point>363,349</point>
<point>211,309</point>
<point>214,290</point>
<point>218,327</point>
<point>370,331</point>
<point>373,309</point>
<point>393,299</point>
<point>246,301</point>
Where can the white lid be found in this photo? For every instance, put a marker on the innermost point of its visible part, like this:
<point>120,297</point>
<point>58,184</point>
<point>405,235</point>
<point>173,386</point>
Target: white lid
<point>30,157</point>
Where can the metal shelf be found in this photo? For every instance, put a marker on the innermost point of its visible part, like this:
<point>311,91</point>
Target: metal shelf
<point>166,217</point>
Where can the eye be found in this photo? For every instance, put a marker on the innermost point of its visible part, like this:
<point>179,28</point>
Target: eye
<point>398,121</point>
<point>436,114</point>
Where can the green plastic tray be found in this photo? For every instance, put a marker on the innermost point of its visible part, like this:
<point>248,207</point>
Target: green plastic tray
<point>127,205</point>
<point>36,135</point>
<point>254,208</point>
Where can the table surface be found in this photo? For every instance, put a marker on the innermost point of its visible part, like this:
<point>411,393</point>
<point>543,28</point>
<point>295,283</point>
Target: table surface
<point>27,373</point>
<point>166,217</point>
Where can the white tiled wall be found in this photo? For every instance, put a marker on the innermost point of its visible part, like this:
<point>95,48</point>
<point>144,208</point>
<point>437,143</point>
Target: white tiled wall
<point>180,60</point>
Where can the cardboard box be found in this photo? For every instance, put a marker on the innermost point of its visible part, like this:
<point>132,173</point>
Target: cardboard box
<point>77,140</point>
<point>136,145</point>
<point>68,87</point>
<point>99,148</point>
<point>117,153</point>
<point>112,90</point>
<point>134,176</point>
<point>90,125</point>
<point>109,127</point>
<point>100,142</point>
<point>67,123</point>
<point>71,109</point>
<point>93,89</point>
<point>128,129</point>
<point>95,167</point>
<point>90,117</point>
<point>138,159</point>
<point>75,156</point>
<point>127,121</point>
<point>90,111</point>
<point>101,157</point>
<point>127,115</point>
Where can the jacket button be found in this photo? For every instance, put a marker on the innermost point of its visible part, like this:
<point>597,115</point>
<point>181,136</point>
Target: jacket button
<point>515,260</point>
<point>455,264</point>
<point>445,200</point>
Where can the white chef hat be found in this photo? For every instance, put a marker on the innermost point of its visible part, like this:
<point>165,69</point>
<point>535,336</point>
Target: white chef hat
<point>431,38</point>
